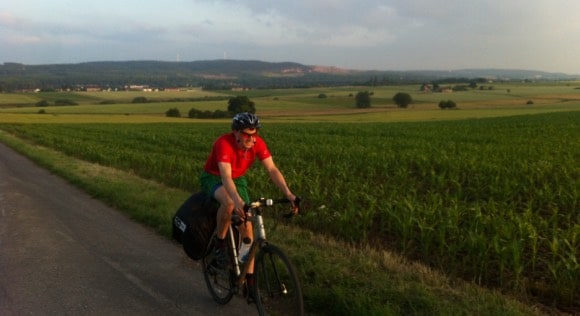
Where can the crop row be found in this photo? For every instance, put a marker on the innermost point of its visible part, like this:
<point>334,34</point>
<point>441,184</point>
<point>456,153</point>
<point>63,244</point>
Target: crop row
<point>491,200</point>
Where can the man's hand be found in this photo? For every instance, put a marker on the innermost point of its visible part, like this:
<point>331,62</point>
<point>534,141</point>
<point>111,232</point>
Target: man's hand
<point>239,207</point>
<point>295,207</point>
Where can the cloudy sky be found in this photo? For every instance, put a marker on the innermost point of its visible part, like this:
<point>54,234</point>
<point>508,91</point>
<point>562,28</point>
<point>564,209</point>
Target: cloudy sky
<point>356,34</point>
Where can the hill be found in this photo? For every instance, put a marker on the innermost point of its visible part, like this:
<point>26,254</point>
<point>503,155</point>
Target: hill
<point>220,74</point>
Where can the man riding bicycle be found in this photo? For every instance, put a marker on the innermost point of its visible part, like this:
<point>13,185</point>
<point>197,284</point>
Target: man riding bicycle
<point>223,179</point>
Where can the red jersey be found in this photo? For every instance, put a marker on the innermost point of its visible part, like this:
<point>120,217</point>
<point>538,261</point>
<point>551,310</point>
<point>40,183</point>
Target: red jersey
<point>226,149</point>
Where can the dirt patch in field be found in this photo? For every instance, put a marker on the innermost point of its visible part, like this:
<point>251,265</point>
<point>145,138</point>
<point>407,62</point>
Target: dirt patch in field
<point>330,111</point>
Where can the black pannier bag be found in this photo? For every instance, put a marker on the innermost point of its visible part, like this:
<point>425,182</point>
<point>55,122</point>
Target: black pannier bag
<point>194,224</point>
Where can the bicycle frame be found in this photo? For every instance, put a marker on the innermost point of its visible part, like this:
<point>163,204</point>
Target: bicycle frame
<point>254,215</point>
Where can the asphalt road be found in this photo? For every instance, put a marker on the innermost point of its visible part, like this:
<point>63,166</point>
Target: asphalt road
<point>65,253</point>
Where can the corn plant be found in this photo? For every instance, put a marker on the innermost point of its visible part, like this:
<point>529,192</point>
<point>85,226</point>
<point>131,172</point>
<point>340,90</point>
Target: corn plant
<point>491,200</point>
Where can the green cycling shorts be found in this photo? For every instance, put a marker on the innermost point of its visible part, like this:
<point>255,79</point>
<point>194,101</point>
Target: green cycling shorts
<point>210,183</point>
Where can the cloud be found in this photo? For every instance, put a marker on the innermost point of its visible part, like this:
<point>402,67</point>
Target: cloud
<point>8,20</point>
<point>327,23</point>
<point>368,34</point>
<point>22,40</point>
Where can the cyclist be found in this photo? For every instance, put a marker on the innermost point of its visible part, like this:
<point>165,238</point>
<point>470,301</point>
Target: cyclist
<point>223,178</point>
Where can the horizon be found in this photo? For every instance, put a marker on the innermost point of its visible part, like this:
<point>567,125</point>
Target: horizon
<point>280,62</point>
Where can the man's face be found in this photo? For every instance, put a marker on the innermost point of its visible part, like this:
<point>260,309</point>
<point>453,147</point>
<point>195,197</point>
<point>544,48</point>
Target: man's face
<point>247,137</point>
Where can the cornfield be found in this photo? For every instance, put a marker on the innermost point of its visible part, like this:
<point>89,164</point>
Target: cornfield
<point>490,200</point>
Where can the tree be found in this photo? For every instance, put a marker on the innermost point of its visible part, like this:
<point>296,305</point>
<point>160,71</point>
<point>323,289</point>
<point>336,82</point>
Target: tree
<point>241,104</point>
<point>220,114</point>
<point>363,99</point>
<point>140,100</point>
<point>42,103</point>
<point>194,113</point>
<point>402,99</point>
<point>436,87</point>
<point>173,112</point>
<point>449,104</point>
<point>65,102</point>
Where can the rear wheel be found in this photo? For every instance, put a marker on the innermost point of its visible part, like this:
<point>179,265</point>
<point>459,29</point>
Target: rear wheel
<point>220,282</point>
<point>276,288</point>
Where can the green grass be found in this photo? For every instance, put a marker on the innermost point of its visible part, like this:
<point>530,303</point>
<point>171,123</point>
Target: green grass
<point>90,102</point>
<point>337,277</point>
<point>124,109</point>
<point>15,100</point>
<point>481,189</point>
<point>493,184</point>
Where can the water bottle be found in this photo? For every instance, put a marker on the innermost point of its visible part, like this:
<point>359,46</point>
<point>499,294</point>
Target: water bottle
<point>244,249</point>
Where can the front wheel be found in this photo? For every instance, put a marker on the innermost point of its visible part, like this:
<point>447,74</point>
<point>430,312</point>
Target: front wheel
<point>276,286</point>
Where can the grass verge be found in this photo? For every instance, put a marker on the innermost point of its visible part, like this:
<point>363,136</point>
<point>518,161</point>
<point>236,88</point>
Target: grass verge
<point>338,278</point>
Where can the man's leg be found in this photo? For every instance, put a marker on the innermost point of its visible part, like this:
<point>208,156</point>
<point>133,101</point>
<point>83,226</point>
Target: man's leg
<point>224,213</point>
<point>223,219</point>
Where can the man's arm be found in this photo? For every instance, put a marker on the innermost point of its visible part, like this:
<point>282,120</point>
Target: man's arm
<point>278,178</point>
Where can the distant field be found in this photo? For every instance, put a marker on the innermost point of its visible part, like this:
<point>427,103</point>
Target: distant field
<point>306,104</point>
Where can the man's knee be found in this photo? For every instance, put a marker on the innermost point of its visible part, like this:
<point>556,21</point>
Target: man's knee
<point>227,207</point>
<point>226,203</point>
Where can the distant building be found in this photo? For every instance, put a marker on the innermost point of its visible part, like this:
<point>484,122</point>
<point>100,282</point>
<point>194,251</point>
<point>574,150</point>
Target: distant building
<point>136,87</point>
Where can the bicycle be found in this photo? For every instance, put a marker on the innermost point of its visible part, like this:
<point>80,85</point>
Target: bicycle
<point>276,289</point>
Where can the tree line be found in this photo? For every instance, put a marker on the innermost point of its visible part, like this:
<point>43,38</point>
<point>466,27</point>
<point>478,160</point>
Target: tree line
<point>221,75</point>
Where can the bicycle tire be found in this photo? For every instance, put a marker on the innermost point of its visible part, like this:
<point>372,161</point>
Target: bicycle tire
<point>276,288</point>
<point>220,283</point>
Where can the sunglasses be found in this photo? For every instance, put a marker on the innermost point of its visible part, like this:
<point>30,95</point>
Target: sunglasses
<point>248,135</point>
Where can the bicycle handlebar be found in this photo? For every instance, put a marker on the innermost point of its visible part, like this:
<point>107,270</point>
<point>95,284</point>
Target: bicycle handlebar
<point>271,202</point>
